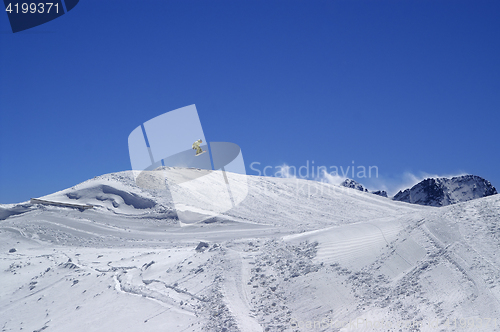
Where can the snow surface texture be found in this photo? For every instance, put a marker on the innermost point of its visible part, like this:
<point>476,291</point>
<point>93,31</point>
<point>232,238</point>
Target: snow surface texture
<point>444,191</point>
<point>295,255</point>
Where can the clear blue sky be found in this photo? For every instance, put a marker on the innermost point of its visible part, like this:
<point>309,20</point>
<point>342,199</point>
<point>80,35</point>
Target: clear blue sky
<point>412,87</point>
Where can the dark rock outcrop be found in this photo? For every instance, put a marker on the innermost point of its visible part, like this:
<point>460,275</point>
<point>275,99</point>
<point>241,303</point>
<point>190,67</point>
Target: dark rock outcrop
<point>445,191</point>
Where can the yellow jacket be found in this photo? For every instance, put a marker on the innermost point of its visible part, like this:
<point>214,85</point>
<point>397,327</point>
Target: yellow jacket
<point>196,144</point>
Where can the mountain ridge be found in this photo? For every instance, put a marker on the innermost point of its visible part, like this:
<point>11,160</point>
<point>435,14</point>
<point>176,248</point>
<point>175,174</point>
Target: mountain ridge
<point>446,191</point>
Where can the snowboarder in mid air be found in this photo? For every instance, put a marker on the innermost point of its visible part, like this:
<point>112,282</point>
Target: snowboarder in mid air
<point>196,146</point>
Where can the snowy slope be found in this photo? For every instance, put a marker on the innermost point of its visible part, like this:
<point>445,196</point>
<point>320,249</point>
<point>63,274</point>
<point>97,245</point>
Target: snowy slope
<point>295,255</point>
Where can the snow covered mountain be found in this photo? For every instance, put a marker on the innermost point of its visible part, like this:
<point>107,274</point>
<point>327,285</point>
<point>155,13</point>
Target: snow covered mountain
<point>295,255</point>
<point>348,183</point>
<point>444,191</point>
<point>382,193</point>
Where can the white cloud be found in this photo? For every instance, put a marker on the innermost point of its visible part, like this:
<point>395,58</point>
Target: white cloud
<point>285,171</point>
<point>332,179</point>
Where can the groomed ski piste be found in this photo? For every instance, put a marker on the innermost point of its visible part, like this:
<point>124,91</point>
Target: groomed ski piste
<point>295,255</point>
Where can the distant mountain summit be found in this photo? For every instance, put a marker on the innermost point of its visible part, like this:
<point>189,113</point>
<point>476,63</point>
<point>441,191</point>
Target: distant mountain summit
<point>445,191</point>
<point>382,193</point>
<point>348,183</point>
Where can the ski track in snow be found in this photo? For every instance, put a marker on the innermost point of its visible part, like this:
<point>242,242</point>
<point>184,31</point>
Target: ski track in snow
<point>286,259</point>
